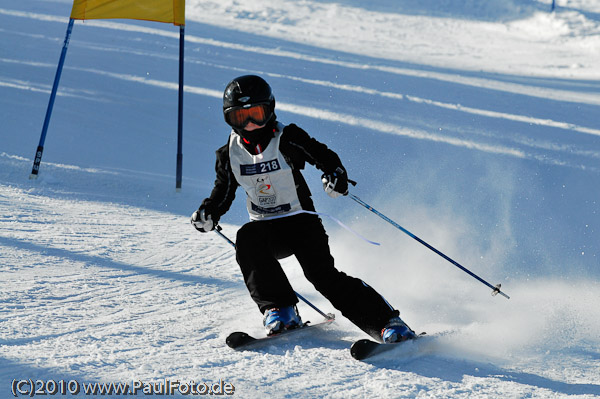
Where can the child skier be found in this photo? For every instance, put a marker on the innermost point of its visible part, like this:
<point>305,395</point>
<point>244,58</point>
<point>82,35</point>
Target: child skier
<point>266,157</point>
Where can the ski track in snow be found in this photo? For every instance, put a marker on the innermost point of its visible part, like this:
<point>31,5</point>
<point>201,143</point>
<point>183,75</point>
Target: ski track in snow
<point>101,291</point>
<point>540,150</point>
<point>102,279</point>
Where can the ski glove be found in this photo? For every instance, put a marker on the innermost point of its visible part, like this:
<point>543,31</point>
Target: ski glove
<point>202,222</point>
<point>335,184</point>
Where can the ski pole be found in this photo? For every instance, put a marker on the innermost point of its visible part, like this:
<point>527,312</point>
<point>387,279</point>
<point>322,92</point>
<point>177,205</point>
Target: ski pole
<point>496,289</point>
<point>218,231</point>
<point>328,316</point>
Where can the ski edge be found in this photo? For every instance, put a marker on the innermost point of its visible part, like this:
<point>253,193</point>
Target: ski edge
<point>240,340</point>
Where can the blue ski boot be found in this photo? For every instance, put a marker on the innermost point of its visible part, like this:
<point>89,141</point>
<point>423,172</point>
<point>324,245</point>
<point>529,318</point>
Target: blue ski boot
<point>279,319</point>
<point>396,331</point>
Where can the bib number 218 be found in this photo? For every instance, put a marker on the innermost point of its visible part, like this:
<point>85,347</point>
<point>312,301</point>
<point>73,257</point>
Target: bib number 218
<point>270,166</point>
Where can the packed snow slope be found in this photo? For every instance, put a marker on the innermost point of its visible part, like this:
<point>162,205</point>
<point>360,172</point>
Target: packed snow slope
<point>472,124</point>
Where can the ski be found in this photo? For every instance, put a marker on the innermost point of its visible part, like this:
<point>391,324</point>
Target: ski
<point>365,348</point>
<point>241,341</point>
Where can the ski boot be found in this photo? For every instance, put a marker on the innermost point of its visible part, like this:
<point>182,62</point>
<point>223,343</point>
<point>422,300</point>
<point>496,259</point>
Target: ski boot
<point>396,331</point>
<point>277,320</point>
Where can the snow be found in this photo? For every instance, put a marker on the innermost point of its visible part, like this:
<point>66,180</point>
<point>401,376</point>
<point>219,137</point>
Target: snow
<point>472,124</point>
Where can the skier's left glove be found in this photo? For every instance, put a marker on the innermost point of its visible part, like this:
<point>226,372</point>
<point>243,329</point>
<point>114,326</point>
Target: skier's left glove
<point>202,222</point>
<point>335,184</point>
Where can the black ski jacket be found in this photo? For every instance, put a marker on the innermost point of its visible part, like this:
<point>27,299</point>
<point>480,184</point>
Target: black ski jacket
<point>297,148</point>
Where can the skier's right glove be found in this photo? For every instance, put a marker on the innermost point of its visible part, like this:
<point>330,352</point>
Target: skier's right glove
<point>335,184</point>
<point>202,222</point>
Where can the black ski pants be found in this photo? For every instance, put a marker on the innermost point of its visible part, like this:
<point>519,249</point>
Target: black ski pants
<point>261,243</point>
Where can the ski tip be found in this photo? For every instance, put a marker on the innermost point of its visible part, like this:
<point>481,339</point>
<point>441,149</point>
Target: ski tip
<point>237,339</point>
<point>365,348</point>
<point>362,348</point>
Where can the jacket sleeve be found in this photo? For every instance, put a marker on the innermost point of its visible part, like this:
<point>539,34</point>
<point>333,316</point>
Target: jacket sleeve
<point>300,147</point>
<point>223,193</point>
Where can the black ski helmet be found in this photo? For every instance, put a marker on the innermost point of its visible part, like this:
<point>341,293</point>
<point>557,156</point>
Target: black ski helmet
<point>246,91</point>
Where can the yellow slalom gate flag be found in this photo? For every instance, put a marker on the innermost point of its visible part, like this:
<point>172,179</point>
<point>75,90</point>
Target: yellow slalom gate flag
<point>170,11</point>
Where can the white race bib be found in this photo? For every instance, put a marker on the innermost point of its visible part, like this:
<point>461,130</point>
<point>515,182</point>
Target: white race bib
<point>266,178</point>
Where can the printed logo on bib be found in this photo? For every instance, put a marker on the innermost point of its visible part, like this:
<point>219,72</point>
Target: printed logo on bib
<point>260,168</point>
<point>265,191</point>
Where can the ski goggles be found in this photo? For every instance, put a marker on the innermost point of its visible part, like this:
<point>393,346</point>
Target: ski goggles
<point>240,116</point>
